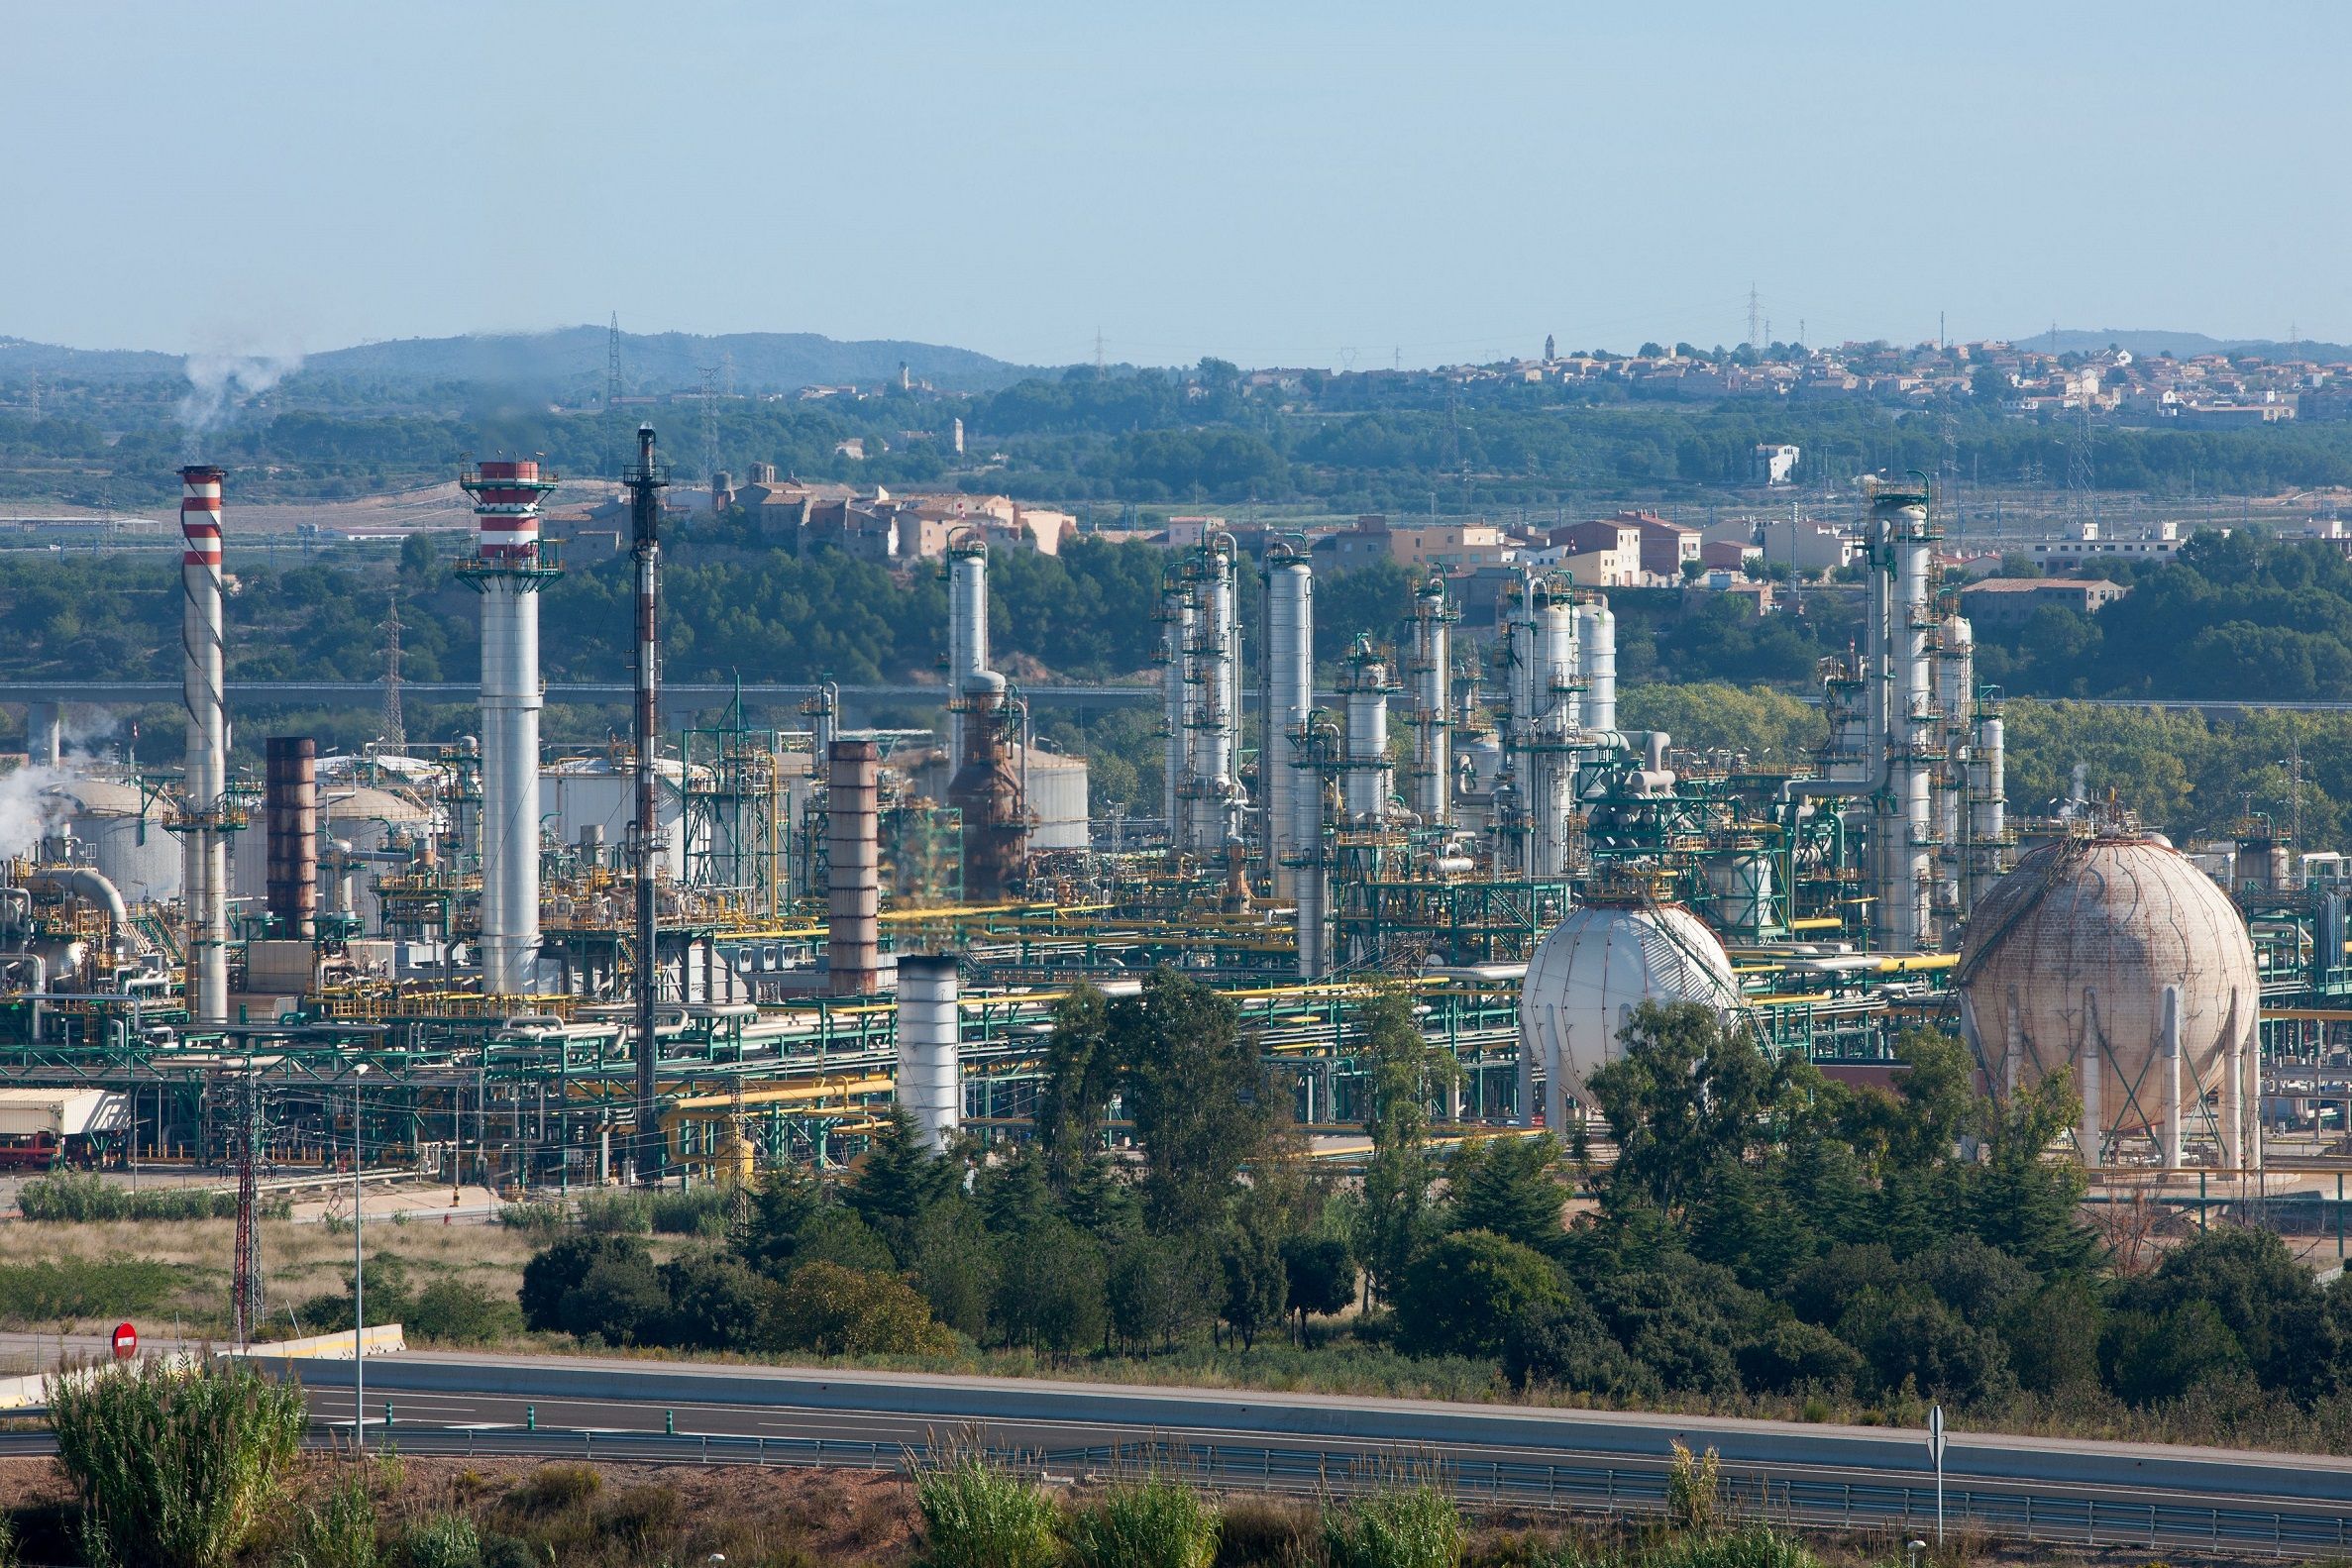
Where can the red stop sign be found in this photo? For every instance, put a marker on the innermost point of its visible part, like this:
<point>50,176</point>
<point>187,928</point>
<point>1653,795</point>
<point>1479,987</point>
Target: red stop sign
<point>125,1342</point>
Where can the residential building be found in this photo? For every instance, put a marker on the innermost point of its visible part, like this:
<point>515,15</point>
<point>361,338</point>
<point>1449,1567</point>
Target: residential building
<point>1805,546</point>
<point>2012,601</point>
<point>1774,463</point>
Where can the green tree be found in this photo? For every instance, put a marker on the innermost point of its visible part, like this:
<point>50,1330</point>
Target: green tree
<point>2025,1200</point>
<point>1256,1283</point>
<point>1050,1290</point>
<point>837,1312</point>
<point>1197,1090</point>
<point>897,1180</point>
<point>1464,1292</point>
<point>1510,1187</point>
<point>1081,1074</point>
<point>1318,1274</point>
<point>1688,1096</point>
<point>1155,1290</point>
<point>1404,1071</point>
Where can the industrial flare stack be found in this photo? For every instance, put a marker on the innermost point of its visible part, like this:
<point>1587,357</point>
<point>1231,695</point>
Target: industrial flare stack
<point>508,569</point>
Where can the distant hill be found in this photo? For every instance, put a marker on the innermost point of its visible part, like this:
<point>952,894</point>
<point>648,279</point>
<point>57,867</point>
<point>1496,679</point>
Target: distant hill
<point>2179,345</point>
<point>572,359</point>
<point>19,359</point>
<point>763,362</point>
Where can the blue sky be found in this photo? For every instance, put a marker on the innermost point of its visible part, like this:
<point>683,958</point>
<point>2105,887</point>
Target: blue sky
<point>1300,184</point>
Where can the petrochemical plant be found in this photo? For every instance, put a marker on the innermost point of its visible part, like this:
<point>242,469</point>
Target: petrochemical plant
<point>695,952</point>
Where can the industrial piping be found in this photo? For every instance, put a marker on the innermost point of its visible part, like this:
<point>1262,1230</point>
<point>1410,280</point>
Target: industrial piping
<point>205,805</point>
<point>508,571</point>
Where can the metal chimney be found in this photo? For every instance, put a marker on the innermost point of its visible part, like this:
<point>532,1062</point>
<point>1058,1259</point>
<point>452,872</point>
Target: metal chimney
<point>853,888</point>
<point>205,806</point>
<point>290,810</point>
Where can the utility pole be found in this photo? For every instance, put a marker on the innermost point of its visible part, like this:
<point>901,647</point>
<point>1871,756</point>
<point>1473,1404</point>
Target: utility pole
<point>645,484</point>
<point>244,1285</point>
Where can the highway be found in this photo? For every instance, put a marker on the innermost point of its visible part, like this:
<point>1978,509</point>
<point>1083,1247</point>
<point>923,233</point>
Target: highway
<point>2118,1494</point>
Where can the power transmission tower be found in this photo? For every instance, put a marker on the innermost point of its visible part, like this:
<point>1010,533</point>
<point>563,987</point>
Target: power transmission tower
<point>709,423</point>
<point>1755,319</point>
<point>396,727</point>
<point>2080,478</point>
<point>1100,367</point>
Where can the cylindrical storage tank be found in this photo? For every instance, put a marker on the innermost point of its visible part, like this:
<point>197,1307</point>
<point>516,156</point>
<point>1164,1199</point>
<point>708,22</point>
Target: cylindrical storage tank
<point>930,1076</point>
<point>1057,800</point>
<point>2066,964</point>
<point>121,832</point>
<point>853,891</point>
<point>290,821</point>
<point>1593,968</point>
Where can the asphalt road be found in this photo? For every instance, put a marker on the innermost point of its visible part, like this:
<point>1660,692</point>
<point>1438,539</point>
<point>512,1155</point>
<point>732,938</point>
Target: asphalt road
<point>1861,1477</point>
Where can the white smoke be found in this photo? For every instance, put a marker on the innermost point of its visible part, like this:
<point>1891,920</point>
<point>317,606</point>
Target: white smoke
<point>35,802</point>
<point>218,384</point>
<point>88,730</point>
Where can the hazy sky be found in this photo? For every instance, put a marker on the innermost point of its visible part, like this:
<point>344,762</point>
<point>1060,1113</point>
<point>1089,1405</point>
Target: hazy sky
<point>1295,184</point>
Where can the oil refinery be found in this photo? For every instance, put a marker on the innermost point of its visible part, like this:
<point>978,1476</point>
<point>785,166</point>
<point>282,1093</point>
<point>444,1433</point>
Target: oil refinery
<point>698,952</point>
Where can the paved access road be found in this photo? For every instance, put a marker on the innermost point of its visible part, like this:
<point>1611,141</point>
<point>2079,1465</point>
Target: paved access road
<point>2116,1492</point>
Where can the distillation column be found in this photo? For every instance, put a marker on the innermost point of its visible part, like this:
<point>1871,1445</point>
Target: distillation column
<point>1368,782</point>
<point>205,808</point>
<point>967,631</point>
<point>1904,823</point>
<point>1955,687</point>
<point>1596,635</point>
<point>1544,724</point>
<point>508,571</point>
<point>1216,794</point>
<point>1290,697</point>
<point>1431,674</point>
<point>1177,616</point>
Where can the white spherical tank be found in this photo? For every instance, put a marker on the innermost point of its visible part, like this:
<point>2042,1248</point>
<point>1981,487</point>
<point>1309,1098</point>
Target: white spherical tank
<point>1592,970</point>
<point>2117,957</point>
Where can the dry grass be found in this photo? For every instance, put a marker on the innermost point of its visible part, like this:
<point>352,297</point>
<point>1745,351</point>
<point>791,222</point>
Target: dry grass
<point>300,1260</point>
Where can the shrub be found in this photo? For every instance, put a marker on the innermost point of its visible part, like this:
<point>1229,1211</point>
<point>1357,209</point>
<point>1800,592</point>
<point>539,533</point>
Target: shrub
<point>978,1514</point>
<point>457,1310</point>
<point>341,1535</point>
<point>1404,1527</point>
<point>559,1274</point>
<point>1694,1488</point>
<point>1265,1532</point>
<point>1156,1523</point>
<point>79,1197</point>
<point>83,1288</point>
<point>540,1220</point>
<point>1756,1546</point>
<point>443,1540</point>
<point>173,1465</point>
<point>615,1214</point>
<point>552,1488</point>
<point>838,1311</point>
<point>697,1211</point>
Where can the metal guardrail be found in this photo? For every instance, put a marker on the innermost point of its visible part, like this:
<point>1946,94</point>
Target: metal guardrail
<point>1610,1491</point>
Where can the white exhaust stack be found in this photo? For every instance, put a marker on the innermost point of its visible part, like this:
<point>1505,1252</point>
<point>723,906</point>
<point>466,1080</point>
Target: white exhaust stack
<point>204,811</point>
<point>967,632</point>
<point>930,1076</point>
<point>508,571</point>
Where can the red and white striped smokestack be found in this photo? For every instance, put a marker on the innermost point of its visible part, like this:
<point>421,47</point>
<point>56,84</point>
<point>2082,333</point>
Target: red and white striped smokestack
<point>204,809</point>
<point>508,568</point>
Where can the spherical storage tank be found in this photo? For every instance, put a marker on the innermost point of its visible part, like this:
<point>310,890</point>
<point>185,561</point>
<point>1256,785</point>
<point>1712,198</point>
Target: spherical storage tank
<point>1592,970</point>
<point>2117,957</point>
